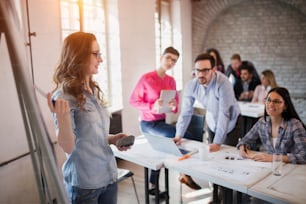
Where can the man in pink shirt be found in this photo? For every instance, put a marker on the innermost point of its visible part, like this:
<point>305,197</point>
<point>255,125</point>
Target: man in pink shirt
<point>146,98</point>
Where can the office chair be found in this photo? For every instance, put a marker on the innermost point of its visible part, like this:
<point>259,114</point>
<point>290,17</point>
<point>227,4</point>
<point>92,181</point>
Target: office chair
<point>196,127</point>
<point>124,174</point>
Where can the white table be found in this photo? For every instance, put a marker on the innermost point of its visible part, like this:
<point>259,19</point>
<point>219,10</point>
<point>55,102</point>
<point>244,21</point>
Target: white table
<point>249,109</point>
<point>288,188</point>
<point>144,155</point>
<point>253,110</point>
<point>225,168</point>
<point>250,113</point>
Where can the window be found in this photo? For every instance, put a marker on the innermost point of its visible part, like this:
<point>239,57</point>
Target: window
<point>165,37</point>
<point>92,16</point>
<point>70,17</point>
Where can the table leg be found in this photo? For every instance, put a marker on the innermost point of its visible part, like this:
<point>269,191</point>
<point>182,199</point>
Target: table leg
<point>227,195</point>
<point>215,193</point>
<point>167,185</point>
<point>146,174</point>
<point>156,182</point>
<point>157,191</point>
<point>239,197</point>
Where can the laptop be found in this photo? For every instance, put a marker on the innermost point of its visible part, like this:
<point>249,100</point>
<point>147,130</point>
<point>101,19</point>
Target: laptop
<point>165,144</point>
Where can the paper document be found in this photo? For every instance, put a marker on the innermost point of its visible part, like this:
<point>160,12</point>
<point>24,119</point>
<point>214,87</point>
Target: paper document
<point>166,96</point>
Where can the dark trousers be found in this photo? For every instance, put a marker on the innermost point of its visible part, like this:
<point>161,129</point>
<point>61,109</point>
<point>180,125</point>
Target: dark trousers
<point>232,137</point>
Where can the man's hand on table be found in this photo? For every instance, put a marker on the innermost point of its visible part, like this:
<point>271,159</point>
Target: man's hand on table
<point>214,147</point>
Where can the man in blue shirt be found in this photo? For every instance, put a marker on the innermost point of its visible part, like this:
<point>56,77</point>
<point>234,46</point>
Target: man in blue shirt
<point>214,91</point>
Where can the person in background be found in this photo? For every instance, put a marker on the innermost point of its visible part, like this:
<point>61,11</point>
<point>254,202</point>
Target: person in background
<point>146,98</point>
<point>82,123</point>
<point>233,70</point>
<point>245,86</point>
<point>218,60</point>
<point>268,82</point>
<point>213,90</point>
<point>280,131</point>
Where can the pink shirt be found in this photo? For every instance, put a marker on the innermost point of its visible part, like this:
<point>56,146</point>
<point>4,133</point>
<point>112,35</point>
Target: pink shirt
<point>147,91</point>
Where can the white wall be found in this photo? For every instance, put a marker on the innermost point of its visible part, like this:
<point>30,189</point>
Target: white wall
<point>137,47</point>
<point>186,30</point>
<point>137,37</point>
<point>17,178</point>
<point>46,46</point>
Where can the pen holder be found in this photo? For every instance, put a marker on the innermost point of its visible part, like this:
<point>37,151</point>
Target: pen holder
<point>204,152</point>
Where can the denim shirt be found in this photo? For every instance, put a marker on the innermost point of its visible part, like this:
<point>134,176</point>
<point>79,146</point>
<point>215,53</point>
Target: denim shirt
<point>218,99</point>
<point>91,164</point>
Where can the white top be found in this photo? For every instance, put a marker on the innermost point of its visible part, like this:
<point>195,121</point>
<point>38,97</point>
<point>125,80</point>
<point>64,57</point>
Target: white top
<point>274,141</point>
<point>260,93</point>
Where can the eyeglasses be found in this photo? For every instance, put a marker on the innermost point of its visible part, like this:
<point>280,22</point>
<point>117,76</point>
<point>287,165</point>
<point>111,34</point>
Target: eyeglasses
<point>97,54</point>
<point>275,102</point>
<point>204,70</point>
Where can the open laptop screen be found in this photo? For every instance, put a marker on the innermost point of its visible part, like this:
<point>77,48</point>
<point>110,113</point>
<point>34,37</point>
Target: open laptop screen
<point>165,144</point>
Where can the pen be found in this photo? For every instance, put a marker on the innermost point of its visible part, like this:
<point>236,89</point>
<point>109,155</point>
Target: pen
<point>186,156</point>
<point>44,94</point>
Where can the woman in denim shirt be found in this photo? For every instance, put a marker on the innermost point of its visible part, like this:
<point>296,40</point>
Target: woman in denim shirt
<point>82,123</point>
<point>280,131</point>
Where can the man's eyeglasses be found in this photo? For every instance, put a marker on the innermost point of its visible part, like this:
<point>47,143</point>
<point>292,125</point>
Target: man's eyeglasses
<point>97,54</point>
<point>276,101</point>
<point>204,70</point>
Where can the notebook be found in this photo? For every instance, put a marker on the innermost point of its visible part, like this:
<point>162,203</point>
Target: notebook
<point>165,144</point>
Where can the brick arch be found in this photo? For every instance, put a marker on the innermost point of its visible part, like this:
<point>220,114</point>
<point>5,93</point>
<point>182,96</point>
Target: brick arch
<point>287,43</point>
<point>206,11</point>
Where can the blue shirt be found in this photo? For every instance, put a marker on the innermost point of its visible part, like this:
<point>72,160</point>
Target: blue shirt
<point>291,140</point>
<point>91,164</point>
<point>218,99</point>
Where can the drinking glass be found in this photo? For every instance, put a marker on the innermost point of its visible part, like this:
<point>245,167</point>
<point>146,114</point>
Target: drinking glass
<point>277,163</point>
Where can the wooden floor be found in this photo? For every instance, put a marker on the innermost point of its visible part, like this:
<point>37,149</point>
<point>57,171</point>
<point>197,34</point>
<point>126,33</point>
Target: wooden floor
<point>126,193</point>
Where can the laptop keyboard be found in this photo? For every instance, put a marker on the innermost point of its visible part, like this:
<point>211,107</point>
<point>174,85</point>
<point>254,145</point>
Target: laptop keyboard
<point>184,151</point>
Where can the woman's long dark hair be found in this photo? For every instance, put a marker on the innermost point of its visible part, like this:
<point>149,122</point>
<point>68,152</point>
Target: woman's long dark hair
<point>219,59</point>
<point>290,111</point>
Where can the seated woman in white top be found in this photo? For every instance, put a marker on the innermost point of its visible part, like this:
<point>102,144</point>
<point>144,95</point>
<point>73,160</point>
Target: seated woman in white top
<point>268,82</point>
<point>280,131</point>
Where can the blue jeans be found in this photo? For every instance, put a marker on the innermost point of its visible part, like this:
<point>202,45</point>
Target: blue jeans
<point>159,128</point>
<point>102,195</point>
